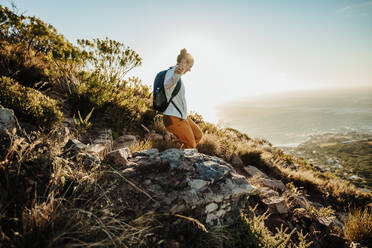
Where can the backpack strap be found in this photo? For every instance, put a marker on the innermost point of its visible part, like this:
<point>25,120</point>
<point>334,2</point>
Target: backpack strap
<point>174,93</point>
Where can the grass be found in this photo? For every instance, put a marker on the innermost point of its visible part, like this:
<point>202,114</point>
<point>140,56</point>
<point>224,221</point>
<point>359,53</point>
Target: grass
<point>358,227</point>
<point>251,231</point>
<point>209,145</point>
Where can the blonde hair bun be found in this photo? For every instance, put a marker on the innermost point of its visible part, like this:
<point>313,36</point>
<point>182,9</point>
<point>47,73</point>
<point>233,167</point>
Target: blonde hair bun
<point>184,55</point>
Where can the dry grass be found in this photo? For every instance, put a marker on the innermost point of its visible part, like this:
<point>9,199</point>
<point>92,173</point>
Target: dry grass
<point>209,144</point>
<point>23,64</point>
<point>358,227</point>
<point>141,145</point>
<point>251,231</point>
<point>342,192</point>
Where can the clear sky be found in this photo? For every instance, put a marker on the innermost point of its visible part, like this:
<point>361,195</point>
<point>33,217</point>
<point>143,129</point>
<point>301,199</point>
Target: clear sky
<point>241,48</point>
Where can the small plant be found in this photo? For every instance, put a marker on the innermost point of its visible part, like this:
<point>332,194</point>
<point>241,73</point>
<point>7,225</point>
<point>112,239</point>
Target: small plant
<point>358,226</point>
<point>83,124</point>
<point>321,212</point>
<point>141,145</point>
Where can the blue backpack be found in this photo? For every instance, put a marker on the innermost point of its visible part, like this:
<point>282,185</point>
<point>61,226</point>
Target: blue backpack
<point>160,102</point>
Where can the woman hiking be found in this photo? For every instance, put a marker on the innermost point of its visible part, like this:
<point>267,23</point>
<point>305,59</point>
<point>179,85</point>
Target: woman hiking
<point>176,120</point>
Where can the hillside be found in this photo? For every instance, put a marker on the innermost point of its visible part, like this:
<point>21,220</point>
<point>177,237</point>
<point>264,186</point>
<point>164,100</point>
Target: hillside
<point>347,155</point>
<point>86,162</point>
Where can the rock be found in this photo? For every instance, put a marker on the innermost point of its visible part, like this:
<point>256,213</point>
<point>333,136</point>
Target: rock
<point>326,221</point>
<point>99,149</point>
<point>198,184</point>
<point>211,207</point>
<point>357,245</point>
<point>119,157</point>
<point>211,170</point>
<point>7,120</point>
<point>273,184</point>
<point>185,182</point>
<point>264,192</point>
<point>7,127</point>
<point>124,141</point>
<point>73,146</point>
<point>254,172</point>
<point>126,138</point>
<point>148,152</point>
<point>172,156</point>
<point>235,160</point>
<point>104,138</point>
<point>276,204</point>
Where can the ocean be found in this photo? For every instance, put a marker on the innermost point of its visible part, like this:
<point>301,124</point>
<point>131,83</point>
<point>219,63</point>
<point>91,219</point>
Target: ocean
<point>287,119</point>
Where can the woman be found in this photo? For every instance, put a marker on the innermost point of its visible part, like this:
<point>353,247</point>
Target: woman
<point>177,122</point>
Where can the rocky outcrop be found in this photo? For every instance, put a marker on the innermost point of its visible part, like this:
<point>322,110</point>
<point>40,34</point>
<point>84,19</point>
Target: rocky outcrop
<point>183,182</point>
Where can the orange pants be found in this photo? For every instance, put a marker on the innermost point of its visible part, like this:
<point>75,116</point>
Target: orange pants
<point>185,130</point>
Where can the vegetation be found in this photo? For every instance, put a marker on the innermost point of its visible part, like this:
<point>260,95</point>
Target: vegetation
<point>32,50</point>
<point>49,201</point>
<point>346,155</point>
<point>28,104</point>
<point>251,231</point>
<point>358,226</point>
<point>118,105</point>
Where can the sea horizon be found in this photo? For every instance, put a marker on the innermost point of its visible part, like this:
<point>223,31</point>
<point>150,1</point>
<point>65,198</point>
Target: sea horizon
<point>289,118</point>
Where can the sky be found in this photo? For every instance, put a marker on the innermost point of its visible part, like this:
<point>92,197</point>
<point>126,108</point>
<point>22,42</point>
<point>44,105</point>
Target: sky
<point>241,48</point>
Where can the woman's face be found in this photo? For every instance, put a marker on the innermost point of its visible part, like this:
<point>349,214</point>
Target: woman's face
<point>189,65</point>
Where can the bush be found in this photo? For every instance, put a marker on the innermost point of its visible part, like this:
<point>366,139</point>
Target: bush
<point>22,65</point>
<point>250,156</point>
<point>118,102</point>
<point>33,52</point>
<point>358,227</point>
<point>28,104</point>
<point>209,145</point>
<point>116,105</point>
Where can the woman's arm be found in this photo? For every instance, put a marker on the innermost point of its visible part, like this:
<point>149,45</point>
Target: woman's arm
<point>172,77</point>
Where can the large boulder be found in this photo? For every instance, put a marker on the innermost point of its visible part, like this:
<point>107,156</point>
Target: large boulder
<point>182,182</point>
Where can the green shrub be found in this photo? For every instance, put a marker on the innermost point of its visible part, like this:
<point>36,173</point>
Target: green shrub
<point>28,104</point>
<point>33,53</point>
<point>111,59</point>
<point>117,105</point>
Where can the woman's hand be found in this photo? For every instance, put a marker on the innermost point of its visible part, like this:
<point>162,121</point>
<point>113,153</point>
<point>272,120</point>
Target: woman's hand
<point>180,68</point>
